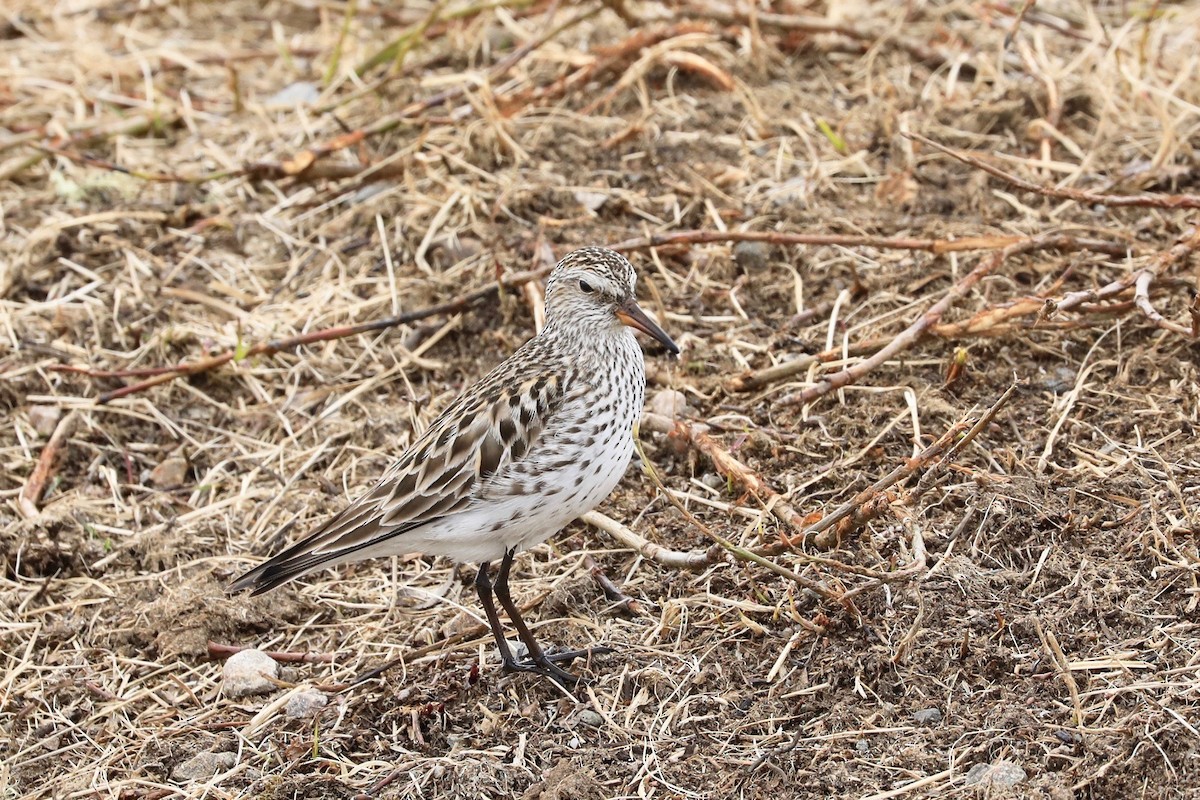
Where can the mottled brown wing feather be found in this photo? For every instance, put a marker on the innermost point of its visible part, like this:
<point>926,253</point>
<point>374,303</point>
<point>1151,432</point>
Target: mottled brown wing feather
<point>488,428</point>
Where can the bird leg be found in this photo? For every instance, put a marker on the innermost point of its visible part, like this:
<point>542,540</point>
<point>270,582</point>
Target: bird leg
<point>484,587</point>
<point>538,660</point>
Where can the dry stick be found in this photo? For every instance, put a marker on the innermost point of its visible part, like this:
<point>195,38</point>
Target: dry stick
<point>1055,651</point>
<point>613,592</point>
<point>672,559</point>
<point>460,303</point>
<point>31,492</point>
<point>867,504</point>
<point>1188,243</point>
<point>729,467</point>
<point>390,121</point>
<point>217,651</point>
<point>809,24</point>
<point>1095,198</point>
<point>1141,296</point>
<point>740,553</point>
<point>607,57</point>
<point>936,246</point>
<point>920,328</point>
<point>989,322</point>
<point>125,126</point>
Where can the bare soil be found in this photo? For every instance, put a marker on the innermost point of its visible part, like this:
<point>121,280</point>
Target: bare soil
<point>179,181</point>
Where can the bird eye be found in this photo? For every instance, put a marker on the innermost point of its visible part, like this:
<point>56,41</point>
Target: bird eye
<point>584,286</point>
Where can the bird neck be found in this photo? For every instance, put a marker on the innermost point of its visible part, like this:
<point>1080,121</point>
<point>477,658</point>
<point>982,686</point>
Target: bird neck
<point>588,333</point>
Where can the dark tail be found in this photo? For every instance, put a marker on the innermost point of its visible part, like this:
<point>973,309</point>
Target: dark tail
<point>278,571</point>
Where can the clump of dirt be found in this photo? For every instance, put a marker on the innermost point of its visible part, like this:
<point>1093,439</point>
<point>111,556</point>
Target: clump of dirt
<point>181,618</point>
<point>566,781</point>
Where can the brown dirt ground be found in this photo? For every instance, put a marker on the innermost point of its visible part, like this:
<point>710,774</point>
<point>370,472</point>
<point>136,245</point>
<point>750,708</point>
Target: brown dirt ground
<point>1052,624</point>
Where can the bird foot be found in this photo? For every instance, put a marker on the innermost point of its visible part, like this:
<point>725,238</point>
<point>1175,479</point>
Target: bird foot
<point>548,667</point>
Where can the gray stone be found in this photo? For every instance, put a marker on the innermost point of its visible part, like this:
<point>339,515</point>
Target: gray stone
<point>592,201</point>
<point>44,419</point>
<point>751,256</point>
<point>249,672</point>
<point>999,774</point>
<point>928,716</point>
<point>300,93</point>
<point>590,718</point>
<point>203,766</point>
<point>669,403</point>
<point>305,704</point>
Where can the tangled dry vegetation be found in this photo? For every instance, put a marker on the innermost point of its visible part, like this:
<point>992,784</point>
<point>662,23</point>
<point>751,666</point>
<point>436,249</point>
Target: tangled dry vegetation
<point>927,520</point>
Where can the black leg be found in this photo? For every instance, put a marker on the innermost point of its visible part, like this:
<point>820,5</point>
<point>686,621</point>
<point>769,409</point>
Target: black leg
<point>537,657</point>
<point>484,587</point>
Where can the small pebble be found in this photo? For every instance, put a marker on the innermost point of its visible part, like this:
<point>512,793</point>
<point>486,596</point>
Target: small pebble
<point>301,93</point>
<point>590,718</point>
<point>862,746</point>
<point>248,672</point>
<point>44,419</point>
<point>1001,773</point>
<point>751,256</point>
<point>1060,380</point>
<point>460,248</point>
<point>592,201</point>
<point>669,403</point>
<point>713,481</point>
<point>170,473</point>
<point>203,766</point>
<point>928,716</point>
<point>305,704</point>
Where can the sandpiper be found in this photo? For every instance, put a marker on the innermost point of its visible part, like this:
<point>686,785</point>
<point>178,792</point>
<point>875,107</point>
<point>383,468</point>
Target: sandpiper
<point>542,438</point>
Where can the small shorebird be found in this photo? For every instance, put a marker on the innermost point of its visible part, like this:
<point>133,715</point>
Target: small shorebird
<point>542,438</point>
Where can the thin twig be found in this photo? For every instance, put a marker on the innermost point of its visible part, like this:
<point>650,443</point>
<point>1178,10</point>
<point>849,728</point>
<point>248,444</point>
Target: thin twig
<point>936,246</point>
<point>921,326</point>
<point>460,303</point>
<point>740,553</point>
<point>869,503</point>
<point>1188,243</point>
<point>1141,296</point>
<point>629,605</point>
<point>217,651</point>
<point>1078,195</point>
<point>863,506</point>
<point>672,559</point>
<point>31,492</point>
<point>725,463</point>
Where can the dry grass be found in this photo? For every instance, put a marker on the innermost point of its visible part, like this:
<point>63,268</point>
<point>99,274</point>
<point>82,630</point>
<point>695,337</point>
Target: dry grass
<point>1039,588</point>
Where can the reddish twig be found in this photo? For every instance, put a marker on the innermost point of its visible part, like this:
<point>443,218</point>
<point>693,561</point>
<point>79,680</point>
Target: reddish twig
<point>217,652</point>
<point>608,58</point>
<point>613,592</point>
<point>870,502</point>
<point>1187,244</point>
<point>1141,297</point>
<point>921,327</point>
<point>1078,195</point>
<point>460,303</point>
<point>31,492</point>
<point>936,246</point>
<point>729,467</point>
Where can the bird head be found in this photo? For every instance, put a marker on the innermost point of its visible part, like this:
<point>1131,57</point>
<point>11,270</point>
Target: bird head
<point>597,285</point>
